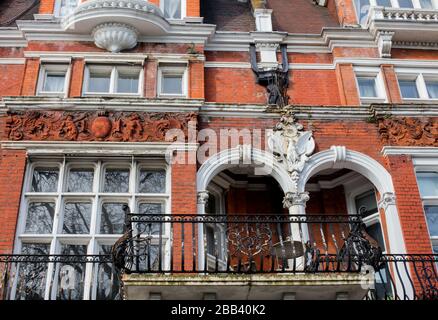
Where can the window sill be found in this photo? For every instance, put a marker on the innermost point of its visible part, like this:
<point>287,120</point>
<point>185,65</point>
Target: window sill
<point>111,95</point>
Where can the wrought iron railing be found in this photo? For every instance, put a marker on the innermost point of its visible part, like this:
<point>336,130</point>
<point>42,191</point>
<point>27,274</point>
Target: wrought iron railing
<point>406,277</point>
<point>62,277</point>
<point>244,244</point>
<point>37,277</point>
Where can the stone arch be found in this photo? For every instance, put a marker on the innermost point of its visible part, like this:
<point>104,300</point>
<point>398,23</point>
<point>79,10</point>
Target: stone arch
<point>341,157</point>
<point>243,154</point>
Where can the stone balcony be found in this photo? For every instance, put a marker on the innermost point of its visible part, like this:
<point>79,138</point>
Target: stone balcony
<point>405,24</point>
<point>116,25</point>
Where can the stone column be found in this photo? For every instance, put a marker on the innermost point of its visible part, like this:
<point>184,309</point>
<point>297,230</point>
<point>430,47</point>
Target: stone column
<point>393,227</point>
<point>296,203</point>
<point>202,201</point>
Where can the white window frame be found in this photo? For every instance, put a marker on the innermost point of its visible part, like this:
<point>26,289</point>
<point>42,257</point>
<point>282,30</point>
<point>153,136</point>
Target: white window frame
<point>177,70</point>
<point>114,71</point>
<point>97,198</point>
<point>376,73</point>
<point>183,10</point>
<point>57,8</point>
<point>47,68</point>
<point>355,188</point>
<point>432,166</point>
<point>420,76</point>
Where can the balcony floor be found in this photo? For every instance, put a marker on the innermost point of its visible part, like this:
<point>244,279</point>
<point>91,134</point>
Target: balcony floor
<point>248,286</point>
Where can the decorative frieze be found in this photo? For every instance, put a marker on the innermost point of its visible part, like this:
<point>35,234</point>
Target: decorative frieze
<point>94,126</point>
<point>408,131</point>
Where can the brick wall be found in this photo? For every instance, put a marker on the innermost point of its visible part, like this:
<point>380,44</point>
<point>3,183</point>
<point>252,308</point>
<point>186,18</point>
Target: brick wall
<point>12,168</point>
<point>409,204</point>
<point>184,201</point>
<point>47,6</point>
<point>347,84</point>
<point>11,77</point>
<point>391,84</point>
<point>76,78</point>
<point>30,77</point>
<point>196,80</point>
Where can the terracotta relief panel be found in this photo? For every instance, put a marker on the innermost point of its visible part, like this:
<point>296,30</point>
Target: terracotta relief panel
<point>94,126</point>
<point>409,131</point>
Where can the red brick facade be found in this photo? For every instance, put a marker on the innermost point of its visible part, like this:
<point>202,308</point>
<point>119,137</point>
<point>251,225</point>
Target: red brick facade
<point>325,60</point>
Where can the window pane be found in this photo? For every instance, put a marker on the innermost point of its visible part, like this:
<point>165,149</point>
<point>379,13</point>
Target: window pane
<point>71,275</point>
<point>172,9</point>
<point>428,183</point>
<point>127,83</point>
<point>54,83</point>
<point>116,180</point>
<point>67,7</point>
<point>432,89</point>
<point>405,3</point>
<point>362,9</point>
<point>80,180</point>
<point>107,281</point>
<point>39,218</point>
<point>426,4</point>
<point>32,276</point>
<point>152,181</point>
<point>172,84</point>
<point>112,219</point>
<point>432,219</point>
<point>150,208</point>
<point>99,82</point>
<point>77,218</point>
<point>384,3</point>
<point>45,180</point>
<point>408,88</point>
<point>367,87</point>
<point>366,203</point>
<point>375,231</point>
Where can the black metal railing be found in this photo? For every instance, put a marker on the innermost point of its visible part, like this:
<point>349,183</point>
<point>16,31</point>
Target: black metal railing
<point>244,244</point>
<point>62,277</point>
<point>38,277</point>
<point>406,277</point>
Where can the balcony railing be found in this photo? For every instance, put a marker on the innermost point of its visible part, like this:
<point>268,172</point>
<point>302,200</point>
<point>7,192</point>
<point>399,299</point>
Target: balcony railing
<point>38,277</point>
<point>223,244</point>
<point>61,277</point>
<point>245,244</point>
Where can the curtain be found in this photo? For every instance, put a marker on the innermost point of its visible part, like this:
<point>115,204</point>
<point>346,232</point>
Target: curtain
<point>367,87</point>
<point>432,89</point>
<point>67,7</point>
<point>172,9</point>
<point>54,83</point>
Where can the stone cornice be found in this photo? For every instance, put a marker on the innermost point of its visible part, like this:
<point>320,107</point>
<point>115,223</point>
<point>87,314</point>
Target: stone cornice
<point>366,113</point>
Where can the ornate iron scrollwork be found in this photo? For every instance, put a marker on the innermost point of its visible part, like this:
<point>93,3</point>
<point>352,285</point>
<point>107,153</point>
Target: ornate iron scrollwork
<point>360,245</point>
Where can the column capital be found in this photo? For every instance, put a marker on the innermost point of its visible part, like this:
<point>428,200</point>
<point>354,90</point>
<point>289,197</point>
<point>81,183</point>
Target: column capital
<point>203,197</point>
<point>388,198</point>
<point>295,199</point>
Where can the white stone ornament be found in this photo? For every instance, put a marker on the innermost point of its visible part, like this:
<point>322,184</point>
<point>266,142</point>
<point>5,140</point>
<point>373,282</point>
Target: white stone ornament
<point>115,37</point>
<point>290,145</point>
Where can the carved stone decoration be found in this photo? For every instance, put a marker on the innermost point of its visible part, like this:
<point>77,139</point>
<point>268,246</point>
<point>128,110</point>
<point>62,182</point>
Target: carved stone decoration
<point>384,43</point>
<point>293,199</point>
<point>92,126</point>
<point>409,131</point>
<point>388,198</point>
<point>290,145</point>
<point>115,37</point>
<point>101,127</point>
<point>203,197</point>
